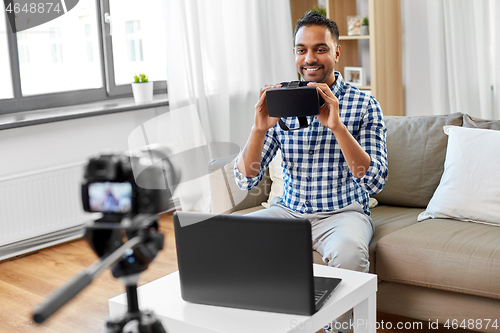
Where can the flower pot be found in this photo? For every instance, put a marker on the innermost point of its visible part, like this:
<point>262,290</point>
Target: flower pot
<point>143,92</point>
<point>364,30</point>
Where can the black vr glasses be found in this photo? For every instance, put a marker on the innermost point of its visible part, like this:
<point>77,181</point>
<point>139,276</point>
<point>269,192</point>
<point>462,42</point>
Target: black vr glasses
<point>293,99</point>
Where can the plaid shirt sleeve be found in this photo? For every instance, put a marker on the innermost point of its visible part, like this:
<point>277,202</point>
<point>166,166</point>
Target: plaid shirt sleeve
<point>269,150</point>
<point>372,139</point>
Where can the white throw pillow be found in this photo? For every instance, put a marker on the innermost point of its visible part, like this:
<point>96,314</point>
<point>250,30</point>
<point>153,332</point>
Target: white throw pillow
<point>276,175</point>
<point>469,189</point>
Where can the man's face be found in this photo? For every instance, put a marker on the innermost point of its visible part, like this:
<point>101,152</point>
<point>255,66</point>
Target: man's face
<point>316,53</point>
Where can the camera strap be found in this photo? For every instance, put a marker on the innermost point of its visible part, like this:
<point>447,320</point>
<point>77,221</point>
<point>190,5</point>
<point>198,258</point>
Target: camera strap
<point>302,120</point>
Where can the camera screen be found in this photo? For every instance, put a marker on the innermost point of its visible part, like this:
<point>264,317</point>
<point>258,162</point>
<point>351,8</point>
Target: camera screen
<point>108,197</point>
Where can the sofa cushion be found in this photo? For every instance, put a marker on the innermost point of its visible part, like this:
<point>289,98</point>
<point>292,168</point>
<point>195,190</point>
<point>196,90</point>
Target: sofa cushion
<point>443,254</point>
<point>416,149</point>
<point>275,169</point>
<point>472,122</point>
<point>430,304</point>
<point>387,219</point>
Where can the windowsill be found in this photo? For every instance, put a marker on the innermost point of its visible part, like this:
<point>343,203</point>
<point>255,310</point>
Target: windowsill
<point>28,118</point>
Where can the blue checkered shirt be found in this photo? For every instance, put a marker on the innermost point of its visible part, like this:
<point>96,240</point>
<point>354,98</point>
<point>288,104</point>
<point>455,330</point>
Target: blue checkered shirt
<point>315,173</point>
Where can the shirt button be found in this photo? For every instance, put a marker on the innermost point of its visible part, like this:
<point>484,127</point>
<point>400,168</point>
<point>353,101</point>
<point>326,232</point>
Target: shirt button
<point>310,152</point>
<point>308,178</point>
<point>307,202</point>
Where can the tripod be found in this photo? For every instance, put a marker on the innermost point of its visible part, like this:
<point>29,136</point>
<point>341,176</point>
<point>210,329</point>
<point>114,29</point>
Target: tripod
<point>134,320</point>
<point>127,260</point>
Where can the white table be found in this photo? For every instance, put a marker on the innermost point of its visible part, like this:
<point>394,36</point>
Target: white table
<point>357,290</point>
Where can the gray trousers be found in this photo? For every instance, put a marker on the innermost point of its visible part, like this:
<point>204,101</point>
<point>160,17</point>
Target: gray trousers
<point>341,237</point>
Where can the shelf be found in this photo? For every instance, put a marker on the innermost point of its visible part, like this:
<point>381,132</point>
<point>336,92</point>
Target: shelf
<point>384,49</point>
<point>353,37</point>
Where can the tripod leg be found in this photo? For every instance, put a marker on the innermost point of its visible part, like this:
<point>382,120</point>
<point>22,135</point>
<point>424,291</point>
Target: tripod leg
<point>158,327</point>
<point>146,321</point>
<point>150,324</point>
<point>132,301</point>
<point>116,325</point>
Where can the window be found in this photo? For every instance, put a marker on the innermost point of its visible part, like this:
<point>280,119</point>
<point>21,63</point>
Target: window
<point>138,40</point>
<point>134,40</point>
<point>23,47</point>
<point>55,44</point>
<point>90,44</point>
<point>90,53</point>
<point>58,58</point>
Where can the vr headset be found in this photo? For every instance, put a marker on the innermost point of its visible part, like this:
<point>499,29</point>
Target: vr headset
<point>293,99</point>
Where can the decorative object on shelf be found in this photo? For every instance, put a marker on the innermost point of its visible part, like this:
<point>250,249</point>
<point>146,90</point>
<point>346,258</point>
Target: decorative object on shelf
<point>142,89</point>
<point>364,27</point>
<point>355,76</point>
<point>354,25</point>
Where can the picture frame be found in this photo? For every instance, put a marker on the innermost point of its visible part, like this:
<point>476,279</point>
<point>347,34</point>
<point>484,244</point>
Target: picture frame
<point>355,76</point>
<point>354,25</point>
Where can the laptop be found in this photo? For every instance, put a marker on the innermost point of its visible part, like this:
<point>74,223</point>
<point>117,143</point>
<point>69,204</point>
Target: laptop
<point>249,262</point>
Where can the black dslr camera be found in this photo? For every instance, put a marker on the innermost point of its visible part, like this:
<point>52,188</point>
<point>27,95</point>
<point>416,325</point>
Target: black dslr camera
<point>129,183</point>
<point>293,99</point>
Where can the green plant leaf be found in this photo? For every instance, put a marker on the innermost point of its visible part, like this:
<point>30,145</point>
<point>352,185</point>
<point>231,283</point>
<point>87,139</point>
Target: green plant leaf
<point>319,10</point>
<point>140,78</point>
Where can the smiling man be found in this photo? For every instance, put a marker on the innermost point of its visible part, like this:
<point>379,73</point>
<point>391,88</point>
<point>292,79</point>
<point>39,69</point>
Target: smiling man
<point>317,65</point>
<point>331,167</point>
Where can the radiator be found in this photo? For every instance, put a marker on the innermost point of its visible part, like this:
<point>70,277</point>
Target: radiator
<point>43,208</point>
<point>40,208</point>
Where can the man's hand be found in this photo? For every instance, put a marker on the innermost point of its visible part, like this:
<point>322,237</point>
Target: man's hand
<point>250,157</point>
<point>262,120</point>
<point>329,112</point>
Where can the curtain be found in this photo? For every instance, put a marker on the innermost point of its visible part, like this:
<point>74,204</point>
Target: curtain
<point>464,56</point>
<point>220,53</point>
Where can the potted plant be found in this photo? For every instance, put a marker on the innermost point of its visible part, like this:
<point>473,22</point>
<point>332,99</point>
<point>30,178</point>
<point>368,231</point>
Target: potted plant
<point>142,88</point>
<point>319,10</point>
<point>364,27</point>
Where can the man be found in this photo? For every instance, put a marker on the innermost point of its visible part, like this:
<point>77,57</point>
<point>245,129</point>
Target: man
<point>330,167</point>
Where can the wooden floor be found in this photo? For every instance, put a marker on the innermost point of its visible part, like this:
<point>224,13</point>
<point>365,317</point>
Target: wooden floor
<point>27,281</point>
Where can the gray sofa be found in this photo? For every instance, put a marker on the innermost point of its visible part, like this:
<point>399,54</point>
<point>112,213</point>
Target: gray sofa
<point>438,269</point>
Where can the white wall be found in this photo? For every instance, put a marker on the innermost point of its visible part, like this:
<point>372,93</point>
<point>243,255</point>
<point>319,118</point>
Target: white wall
<point>41,173</point>
<point>36,147</point>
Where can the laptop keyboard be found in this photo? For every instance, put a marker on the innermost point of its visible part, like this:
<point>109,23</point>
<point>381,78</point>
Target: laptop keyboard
<point>318,294</point>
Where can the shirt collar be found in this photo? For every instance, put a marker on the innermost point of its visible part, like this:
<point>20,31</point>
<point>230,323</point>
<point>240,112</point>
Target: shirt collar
<point>339,84</point>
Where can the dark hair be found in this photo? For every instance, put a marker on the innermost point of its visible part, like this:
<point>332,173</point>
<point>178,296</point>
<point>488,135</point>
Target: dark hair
<point>314,18</point>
